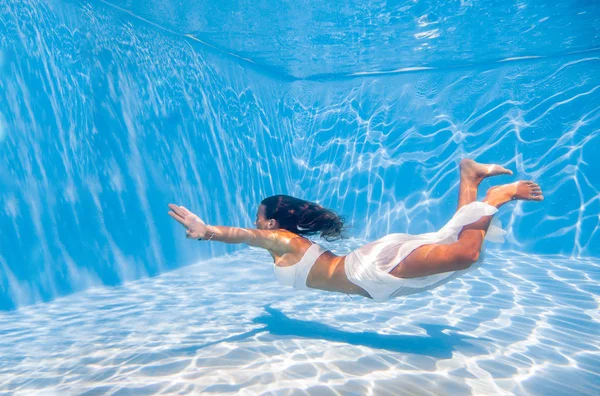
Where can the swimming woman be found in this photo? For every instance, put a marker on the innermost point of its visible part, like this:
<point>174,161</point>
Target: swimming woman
<point>395,265</point>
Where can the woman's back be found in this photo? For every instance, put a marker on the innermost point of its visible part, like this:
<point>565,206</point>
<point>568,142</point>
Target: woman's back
<point>308,265</point>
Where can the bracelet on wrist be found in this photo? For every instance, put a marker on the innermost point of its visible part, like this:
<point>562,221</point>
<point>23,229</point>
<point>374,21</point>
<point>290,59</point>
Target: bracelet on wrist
<point>203,238</point>
<point>213,233</point>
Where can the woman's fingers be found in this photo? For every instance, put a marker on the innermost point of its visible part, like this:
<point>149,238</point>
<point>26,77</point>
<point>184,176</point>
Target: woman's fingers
<point>177,217</point>
<point>177,210</point>
<point>185,218</point>
<point>184,210</point>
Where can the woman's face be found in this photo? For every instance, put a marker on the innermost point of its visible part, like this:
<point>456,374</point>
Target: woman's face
<point>261,222</point>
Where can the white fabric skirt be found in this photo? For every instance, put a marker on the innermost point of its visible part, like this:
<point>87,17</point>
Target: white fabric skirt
<point>369,266</point>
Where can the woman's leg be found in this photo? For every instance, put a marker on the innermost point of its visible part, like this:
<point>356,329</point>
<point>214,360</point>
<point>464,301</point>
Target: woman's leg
<point>466,250</point>
<point>471,175</point>
<point>437,258</point>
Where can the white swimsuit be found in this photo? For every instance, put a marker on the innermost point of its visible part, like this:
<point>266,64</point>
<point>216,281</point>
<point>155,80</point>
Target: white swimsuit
<point>369,266</point>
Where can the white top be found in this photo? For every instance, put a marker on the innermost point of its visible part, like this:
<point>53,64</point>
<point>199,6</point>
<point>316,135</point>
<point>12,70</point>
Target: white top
<point>295,275</point>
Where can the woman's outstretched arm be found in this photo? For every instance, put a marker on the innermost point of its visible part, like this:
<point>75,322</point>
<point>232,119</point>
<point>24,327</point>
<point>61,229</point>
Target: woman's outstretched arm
<point>198,229</point>
<point>260,238</point>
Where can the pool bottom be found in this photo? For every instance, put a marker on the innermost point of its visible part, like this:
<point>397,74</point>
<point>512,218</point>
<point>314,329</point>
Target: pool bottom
<point>520,324</point>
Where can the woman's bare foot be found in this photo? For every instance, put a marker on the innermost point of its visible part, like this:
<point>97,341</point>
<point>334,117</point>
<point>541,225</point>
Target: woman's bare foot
<point>524,190</point>
<point>476,172</point>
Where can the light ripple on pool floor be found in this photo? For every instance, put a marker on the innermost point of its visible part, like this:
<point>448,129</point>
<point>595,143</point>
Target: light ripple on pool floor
<point>520,324</point>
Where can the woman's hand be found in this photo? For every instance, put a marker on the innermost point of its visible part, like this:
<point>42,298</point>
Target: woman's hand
<point>195,227</point>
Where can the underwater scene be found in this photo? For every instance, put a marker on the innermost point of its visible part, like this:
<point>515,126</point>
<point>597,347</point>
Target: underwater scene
<point>110,111</point>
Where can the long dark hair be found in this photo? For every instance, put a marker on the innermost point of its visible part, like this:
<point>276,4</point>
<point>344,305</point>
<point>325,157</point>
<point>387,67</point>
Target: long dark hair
<point>304,217</point>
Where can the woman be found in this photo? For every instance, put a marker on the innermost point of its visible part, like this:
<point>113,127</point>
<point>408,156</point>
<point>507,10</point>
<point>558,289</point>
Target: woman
<point>395,265</point>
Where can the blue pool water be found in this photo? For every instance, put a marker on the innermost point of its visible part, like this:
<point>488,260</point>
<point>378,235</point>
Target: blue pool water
<point>110,110</point>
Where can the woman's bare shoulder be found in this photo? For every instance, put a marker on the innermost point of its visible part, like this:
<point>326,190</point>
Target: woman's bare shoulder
<point>288,242</point>
<point>290,246</point>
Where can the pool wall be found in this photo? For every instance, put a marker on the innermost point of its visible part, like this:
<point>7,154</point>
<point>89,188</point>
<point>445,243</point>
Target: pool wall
<point>105,119</point>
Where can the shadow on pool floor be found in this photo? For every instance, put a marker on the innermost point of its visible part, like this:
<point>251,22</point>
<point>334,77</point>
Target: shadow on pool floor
<point>436,344</point>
